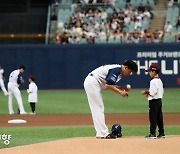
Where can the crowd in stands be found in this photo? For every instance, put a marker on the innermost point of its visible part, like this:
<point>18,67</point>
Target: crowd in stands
<point>97,25</point>
<point>88,1</point>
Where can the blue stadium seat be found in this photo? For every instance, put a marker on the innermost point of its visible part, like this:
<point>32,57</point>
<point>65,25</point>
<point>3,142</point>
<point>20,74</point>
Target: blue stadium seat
<point>144,2</point>
<point>100,40</point>
<point>83,41</point>
<point>151,2</point>
<point>121,3</point>
<point>135,3</point>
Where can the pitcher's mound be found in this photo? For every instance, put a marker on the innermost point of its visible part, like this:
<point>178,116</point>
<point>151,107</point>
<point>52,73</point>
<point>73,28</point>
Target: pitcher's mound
<point>91,145</point>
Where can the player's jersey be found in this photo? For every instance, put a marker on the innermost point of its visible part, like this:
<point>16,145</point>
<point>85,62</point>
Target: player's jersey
<point>109,74</point>
<point>13,78</point>
<point>156,89</point>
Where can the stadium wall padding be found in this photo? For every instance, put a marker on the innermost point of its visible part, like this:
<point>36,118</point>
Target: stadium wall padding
<point>66,66</point>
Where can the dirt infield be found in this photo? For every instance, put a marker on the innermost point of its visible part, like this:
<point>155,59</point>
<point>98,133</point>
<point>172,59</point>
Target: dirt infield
<point>91,145</point>
<point>85,119</point>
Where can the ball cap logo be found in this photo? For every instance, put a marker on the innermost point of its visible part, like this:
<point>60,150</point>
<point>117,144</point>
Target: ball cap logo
<point>153,67</point>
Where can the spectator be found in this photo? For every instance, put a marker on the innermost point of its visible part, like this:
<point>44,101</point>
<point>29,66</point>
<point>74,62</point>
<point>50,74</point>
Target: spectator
<point>102,33</point>
<point>156,39</point>
<point>167,27</point>
<point>64,38</point>
<point>147,36</point>
<point>178,38</point>
<point>57,39</point>
<point>157,35</point>
<point>147,13</point>
<point>138,25</point>
<point>140,16</point>
<point>141,8</point>
<point>127,19</point>
<point>178,23</point>
<point>103,14</point>
<point>135,37</point>
<point>90,40</point>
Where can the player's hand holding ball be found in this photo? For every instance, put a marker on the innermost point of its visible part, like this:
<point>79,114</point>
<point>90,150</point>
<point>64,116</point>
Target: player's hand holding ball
<point>126,89</point>
<point>124,93</point>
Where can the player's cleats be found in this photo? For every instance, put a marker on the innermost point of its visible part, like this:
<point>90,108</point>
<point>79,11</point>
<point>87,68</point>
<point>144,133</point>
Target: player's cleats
<point>109,136</point>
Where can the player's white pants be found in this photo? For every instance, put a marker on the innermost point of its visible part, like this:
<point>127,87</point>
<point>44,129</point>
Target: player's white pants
<point>96,104</point>
<point>15,92</point>
<point>3,87</point>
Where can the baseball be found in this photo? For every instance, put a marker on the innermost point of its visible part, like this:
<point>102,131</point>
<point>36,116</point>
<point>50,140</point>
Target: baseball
<point>128,86</point>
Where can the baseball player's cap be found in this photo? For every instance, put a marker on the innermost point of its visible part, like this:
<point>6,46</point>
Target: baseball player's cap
<point>153,67</point>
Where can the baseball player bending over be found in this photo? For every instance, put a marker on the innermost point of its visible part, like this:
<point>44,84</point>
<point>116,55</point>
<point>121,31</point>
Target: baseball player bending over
<point>105,77</point>
<point>15,79</point>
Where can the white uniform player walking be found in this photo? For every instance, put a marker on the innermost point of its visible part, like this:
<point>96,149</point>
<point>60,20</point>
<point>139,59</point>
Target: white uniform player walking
<point>105,77</point>
<point>32,91</point>
<point>15,79</point>
<point>2,82</point>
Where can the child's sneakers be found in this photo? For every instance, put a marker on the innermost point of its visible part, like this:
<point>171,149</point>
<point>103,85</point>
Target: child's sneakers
<point>161,136</point>
<point>151,136</point>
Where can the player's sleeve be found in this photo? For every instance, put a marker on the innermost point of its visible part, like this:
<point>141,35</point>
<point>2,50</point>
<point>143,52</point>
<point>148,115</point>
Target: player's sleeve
<point>112,76</point>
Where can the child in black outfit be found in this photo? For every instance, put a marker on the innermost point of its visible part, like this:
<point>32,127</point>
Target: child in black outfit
<point>155,95</point>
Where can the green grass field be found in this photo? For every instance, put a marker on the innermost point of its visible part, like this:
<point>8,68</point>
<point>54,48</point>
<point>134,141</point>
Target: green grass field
<point>75,102</point>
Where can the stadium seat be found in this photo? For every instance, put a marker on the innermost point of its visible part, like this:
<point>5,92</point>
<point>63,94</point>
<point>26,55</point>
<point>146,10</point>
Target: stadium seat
<point>111,40</point>
<point>135,3</point>
<point>121,3</point>
<point>168,38</point>
<point>83,41</point>
<point>144,2</point>
<point>114,39</point>
<point>151,2</point>
<point>109,10</point>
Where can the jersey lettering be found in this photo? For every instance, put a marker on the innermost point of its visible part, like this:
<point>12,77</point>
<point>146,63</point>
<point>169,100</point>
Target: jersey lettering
<point>112,75</point>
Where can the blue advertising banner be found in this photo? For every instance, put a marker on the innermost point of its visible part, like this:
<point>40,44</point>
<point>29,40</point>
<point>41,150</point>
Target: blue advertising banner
<point>66,66</point>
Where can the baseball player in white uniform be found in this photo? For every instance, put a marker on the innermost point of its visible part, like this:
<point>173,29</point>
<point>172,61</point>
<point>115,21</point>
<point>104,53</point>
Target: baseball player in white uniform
<point>105,77</point>
<point>15,79</point>
<point>32,91</point>
<point>2,82</point>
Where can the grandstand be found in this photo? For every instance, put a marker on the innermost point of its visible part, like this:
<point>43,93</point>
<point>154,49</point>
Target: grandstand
<point>123,21</point>
<point>80,22</point>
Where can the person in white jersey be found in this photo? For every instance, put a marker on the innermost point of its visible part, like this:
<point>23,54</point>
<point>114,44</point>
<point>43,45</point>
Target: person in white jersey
<point>2,81</point>
<point>15,79</point>
<point>105,77</point>
<point>155,95</point>
<point>32,91</point>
